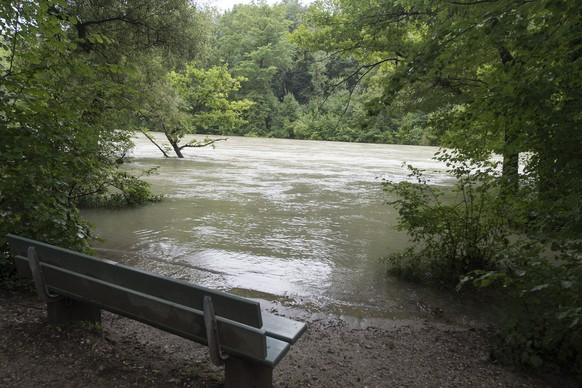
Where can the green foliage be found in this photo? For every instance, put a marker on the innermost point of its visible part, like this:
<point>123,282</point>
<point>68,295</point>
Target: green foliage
<point>64,101</point>
<point>129,30</point>
<point>459,230</point>
<point>480,234</point>
<point>259,43</point>
<point>542,321</point>
<point>253,42</point>
<point>322,119</point>
<point>8,279</point>
<point>190,101</point>
<point>414,129</point>
<point>122,191</point>
<point>485,77</point>
<point>44,162</point>
<point>206,95</point>
<point>499,76</point>
<point>288,112</point>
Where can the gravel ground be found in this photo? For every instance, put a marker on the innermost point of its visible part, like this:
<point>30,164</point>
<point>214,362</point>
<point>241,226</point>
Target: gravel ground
<point>333,353</point>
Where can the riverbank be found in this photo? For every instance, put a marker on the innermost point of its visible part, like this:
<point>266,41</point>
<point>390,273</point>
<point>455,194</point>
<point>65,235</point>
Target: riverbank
<point>333,353</point>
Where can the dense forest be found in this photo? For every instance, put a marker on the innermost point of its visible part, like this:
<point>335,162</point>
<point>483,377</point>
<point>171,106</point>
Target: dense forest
<point>480,78</point>
<point>265,83</point>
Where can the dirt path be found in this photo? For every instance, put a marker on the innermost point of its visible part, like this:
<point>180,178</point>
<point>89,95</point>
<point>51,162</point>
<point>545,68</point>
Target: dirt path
<point>125,353</point>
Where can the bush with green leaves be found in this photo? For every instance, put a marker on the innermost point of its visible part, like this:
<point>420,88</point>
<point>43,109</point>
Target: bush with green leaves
<point>57,142</point>
<point>123,190</point>
<point>459,230</point>
<point>541,324</point>
<point>478,233</point>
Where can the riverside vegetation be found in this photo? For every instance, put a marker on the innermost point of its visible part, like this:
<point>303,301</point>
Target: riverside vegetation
<point>480,78</point>
<point>475,235</point>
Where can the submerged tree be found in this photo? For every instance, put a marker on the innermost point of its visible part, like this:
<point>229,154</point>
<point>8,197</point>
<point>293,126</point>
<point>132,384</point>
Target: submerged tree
<point>193,101</point>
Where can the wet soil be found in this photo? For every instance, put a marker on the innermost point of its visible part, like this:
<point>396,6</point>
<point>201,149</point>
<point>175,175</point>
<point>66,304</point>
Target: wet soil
<point>333,353</point>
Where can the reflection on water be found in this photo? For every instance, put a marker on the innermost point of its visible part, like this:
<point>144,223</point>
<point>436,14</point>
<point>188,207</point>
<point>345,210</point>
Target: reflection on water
<point>295,223</point>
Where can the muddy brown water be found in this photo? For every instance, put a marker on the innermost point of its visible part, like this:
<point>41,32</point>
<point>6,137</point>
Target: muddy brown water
<point>298,225</point>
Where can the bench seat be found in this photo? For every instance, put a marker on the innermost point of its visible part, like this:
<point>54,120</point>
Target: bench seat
<point>253,340</point>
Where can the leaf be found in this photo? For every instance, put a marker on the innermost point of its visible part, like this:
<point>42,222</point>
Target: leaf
<point>535,361</point>
<point>539,287</point>
<point>566,284</point>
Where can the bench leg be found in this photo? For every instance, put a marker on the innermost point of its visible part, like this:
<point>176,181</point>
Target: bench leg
<point>245,374</point>
<point>69,310</point>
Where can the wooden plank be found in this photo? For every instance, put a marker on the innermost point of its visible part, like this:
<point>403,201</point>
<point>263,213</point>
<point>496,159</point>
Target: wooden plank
<point>244,374</point>
<point>169,299</point>
<point>236,339</point>
<point>283,328</point>
<point>276,350</point>
<point>226,305</point>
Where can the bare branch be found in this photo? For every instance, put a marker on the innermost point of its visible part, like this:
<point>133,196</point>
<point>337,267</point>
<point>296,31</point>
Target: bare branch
<point>155,143</point>
<point>473,2</point>
<point>196,144</point>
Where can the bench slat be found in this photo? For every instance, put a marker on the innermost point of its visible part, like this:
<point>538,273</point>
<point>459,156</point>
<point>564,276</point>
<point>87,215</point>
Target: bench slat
<point>283,328</point>
<point>225,305</point>
<point>236,338</point>
<point>276,350</point>
<point>166,303</point>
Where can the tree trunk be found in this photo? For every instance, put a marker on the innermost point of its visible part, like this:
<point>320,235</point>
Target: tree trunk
<point>177,149</point>
<point>510,170</point>
<point>175,146</point>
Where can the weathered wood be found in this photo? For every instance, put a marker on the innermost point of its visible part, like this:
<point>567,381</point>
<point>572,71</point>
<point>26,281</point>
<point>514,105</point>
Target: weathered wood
<point>225,305</point>
<point>228,306</point>
<point>244,374</point>
<point>212,334</point>
<point>68,310</point>
<point>38,277</point>
<point>283,328</point>
<point>252,342</point>
<point>236,338</point>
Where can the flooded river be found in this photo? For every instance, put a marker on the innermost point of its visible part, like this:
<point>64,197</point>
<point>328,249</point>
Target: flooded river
<point>299,225</point>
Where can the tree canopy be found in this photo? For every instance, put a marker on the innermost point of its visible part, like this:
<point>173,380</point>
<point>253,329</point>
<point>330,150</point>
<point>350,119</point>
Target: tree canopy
<point>194,100</point>
<point>494,76</point>
<point>69,72</point>
<point>491,78</point>
<point>482,78</point>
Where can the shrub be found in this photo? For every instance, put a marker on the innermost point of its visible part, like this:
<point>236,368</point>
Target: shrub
<point>541,325</point>
<point>480,233</point>
<point>455,231</point>
<point>122,191</point>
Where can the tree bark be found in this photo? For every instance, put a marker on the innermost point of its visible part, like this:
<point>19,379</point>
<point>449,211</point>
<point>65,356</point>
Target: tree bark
<point>206,143</point>
<point>510,170</point>
<point>155,143</point>
<point>175,146</point>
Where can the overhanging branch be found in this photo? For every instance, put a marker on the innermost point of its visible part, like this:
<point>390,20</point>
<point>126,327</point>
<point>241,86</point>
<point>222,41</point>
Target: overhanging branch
<point>196,144</point>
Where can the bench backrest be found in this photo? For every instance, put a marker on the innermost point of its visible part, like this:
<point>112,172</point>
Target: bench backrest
<point>169,304</point>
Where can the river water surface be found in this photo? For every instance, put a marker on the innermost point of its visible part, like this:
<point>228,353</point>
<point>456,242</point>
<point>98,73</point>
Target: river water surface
<point>299,225</point>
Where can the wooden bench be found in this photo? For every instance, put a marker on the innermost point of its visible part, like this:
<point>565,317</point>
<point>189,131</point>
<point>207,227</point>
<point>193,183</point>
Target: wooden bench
<point>249,342</point>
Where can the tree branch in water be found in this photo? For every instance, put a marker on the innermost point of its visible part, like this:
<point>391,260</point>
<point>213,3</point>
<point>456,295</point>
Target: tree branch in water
<point>196,144</point>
